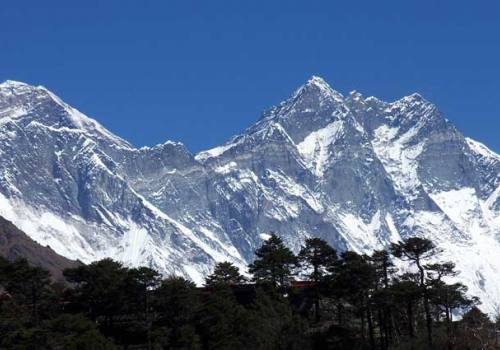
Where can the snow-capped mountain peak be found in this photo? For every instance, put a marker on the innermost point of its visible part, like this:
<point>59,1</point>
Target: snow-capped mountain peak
<point>316,82</point>
<point>36,106</point>
<point>13,85</point>
<point>358,172</point>
<point>316,87</point>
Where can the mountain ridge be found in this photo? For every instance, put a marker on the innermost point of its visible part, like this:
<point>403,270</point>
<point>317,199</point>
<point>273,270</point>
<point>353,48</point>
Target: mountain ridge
<point>358,172</point>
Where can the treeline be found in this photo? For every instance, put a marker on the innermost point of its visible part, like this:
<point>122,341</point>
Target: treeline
<point>318,299</point>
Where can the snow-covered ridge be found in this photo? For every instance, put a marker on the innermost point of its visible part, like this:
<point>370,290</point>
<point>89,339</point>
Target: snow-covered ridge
<point>481,149</point>
<point>321,85</point>
<point>27,98</point>
<point>358,172</point>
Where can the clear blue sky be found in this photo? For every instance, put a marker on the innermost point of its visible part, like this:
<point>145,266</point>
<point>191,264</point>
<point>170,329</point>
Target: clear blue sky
<point>199,72</point>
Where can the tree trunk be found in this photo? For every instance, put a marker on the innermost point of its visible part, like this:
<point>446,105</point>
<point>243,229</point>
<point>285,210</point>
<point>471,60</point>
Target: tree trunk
<point>382,326</point>
<point>146,314</point>
<point>316,306</point>
<point>409,309</point>
<point>316,294</point>
<point>448,328</point>
<point>363,327</point>
<point>370,327</point>
<point>339,314</point>
<point>428,318</point>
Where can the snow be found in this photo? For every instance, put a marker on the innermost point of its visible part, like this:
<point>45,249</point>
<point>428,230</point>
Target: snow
<point>11,114</point>
<point>231,250</point>
<point>134,244</point>
<point>47,229</point>
<point>481,149</point>
<point>361,236</point>
<point>207,247</point>
<point>195,275</point>
<point>214,152</point>
<point>185,242</point>
<point>493,197</point>
<point>264,236</point>
<point>399,158</point>
<point>297,190</point>
<point>491,215</point>
<point>11,87</point>
<point>315,146</point>
<point>63,129</point>
<point>461,206</point>
<point>160,146</point>
<point>324,88</point>
<point>81,122</point>
<point>85,123</point>
<point>394,233</point>
<point>272,131</point>
<point>479,266</point>
<point>226,168</point>
<point>97,162</point>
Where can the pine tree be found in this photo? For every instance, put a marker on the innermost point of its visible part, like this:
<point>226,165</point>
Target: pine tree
<point>406,292</point>
<point>378,308</point>
<point>99,288</point>
<point>446,297</point>
<point>177,303</point>
<point>355,277</point>
<point>476,330</point>
<point>69,332</point>
<point>384,269</point>
<point>28,284</point>
<point>225,274</point>
<point>274,263</point>
<point>140,282</point>
<point>417,250</point>
<point>317,257</point>
<point>222,321</point>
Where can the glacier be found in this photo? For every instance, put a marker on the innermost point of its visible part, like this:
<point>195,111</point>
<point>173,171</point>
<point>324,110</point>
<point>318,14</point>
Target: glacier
<point>356,171</point>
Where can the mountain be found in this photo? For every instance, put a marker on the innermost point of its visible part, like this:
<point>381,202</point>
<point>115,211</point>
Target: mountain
<point>358,172</point>
<point>15,244</point>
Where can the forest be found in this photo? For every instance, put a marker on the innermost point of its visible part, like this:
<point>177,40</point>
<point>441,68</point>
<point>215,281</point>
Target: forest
<point>316,299</point>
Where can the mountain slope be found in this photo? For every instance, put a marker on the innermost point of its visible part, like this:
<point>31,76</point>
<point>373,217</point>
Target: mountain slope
<point>15,244</point>
<point>356,171</point>
<point>64,181</point>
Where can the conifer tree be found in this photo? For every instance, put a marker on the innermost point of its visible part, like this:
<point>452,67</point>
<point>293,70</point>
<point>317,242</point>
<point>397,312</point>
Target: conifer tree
<point>225,274</point>
<point>406,292</point>
<point>107,303</point>
<point>177,302</point>
<point>417,250</point>
<point>141,281</point>
<point>317,257</point>
<point>384,269</point>
<point>28,284</point>
<point>68,332</point>
<point>100,291</point>
<point>477,330</point>
<point>274,263</point>
<point>356,278</point>
<point>222,321</point>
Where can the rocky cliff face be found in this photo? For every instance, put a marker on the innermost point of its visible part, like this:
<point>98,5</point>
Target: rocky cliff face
<point>356,171</point>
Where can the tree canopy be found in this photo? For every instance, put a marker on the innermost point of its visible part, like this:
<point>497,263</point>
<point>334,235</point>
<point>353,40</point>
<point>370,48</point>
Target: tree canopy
<point>317,299</point>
